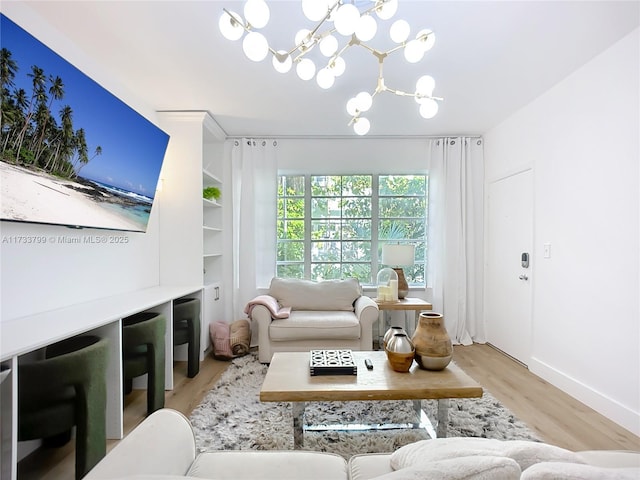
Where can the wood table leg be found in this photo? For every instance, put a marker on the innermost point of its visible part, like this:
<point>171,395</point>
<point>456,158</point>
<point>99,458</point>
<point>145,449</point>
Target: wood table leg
<point>298,424</point>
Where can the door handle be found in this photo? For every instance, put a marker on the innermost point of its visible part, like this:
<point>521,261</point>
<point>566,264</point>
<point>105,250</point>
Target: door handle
<point>523,277</point>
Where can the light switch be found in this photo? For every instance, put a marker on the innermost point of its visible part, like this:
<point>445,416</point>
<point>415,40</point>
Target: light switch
<point>547,250</point>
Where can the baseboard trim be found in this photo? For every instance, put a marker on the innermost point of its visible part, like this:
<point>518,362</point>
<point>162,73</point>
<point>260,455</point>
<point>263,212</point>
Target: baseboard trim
<point>509,356</point>
<point>610,408</point>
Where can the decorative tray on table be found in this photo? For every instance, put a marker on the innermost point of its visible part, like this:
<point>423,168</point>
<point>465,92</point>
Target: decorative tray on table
<point>332,362</point>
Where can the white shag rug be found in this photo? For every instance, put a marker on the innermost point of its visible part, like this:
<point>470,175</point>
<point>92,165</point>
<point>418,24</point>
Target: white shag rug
<point>231,417</point>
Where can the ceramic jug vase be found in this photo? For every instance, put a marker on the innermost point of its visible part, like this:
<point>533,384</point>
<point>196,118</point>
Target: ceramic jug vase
<point>432,342</point>
<point>400,352</point>
<point>390,333</point>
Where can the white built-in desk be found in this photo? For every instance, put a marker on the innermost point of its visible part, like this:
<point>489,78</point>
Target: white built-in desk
<point>102,317</point>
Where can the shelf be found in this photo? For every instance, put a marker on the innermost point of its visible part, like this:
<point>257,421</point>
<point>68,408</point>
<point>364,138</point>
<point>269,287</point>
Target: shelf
<point>210,203</point>
<point>211,255</point>
<point>211,229</point>
<point>210,177</point>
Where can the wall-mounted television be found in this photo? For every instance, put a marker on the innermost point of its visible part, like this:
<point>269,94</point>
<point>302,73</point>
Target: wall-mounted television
<point>71,153</point>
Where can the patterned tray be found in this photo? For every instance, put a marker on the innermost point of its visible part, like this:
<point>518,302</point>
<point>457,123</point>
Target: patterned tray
<point>332,362</point>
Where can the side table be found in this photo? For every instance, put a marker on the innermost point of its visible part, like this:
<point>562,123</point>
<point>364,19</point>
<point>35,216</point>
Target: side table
<point>407,303</point>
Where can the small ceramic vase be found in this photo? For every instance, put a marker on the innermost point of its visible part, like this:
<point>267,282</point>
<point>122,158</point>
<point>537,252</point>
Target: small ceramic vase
<point>432,342</point>
<point>400,352</point>
<point>390,333</point>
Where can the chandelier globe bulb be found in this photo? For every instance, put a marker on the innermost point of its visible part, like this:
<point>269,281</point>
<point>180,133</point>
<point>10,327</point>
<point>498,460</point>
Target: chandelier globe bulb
<point>428,108</point>
<point>425,85</point>
<point>429,41</point>
<point>387,10</point>
<point>325,78</point>
<point>230,25</point>
<point>413,51</point>
<point>346,19</point>
<point>314,10</point>
<point>257,13</point>
<point>364,101</point>
<point>304,39</point>
<point>306,69</point>
<point>352,106</point>
<point>399,31</point>
<point>366,28</point>
<point>339,66</point>
<point>329,45</point>
<point>361,126</point>
<point>255,46</point>
<point>282,62</point>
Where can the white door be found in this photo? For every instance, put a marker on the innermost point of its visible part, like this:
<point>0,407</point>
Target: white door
<point>508,287</point>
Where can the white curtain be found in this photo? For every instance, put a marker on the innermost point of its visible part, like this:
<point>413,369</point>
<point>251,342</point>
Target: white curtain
<point>254,171</point>
<point>455,253</point>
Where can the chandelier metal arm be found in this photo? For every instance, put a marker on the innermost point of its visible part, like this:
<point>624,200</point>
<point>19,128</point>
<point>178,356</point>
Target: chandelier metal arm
<point>312,35</point>
<point>326,17</point>
<point>234,21</point>
<point>354,41</point>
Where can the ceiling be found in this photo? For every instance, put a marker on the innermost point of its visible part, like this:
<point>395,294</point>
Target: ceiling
<point>490,59</point>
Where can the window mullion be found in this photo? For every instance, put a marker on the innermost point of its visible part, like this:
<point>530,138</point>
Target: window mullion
<point>307,226</point>
<point>375,212</point>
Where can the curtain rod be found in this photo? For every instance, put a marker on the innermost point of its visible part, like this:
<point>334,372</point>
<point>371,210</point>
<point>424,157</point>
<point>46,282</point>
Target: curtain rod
<point>346,137</point>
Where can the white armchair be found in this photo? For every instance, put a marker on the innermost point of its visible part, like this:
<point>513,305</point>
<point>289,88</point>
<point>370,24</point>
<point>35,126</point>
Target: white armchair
<point>302,315</point>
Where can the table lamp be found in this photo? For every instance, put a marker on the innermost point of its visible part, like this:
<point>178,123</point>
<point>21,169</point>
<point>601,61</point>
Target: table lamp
<point>396,256</point>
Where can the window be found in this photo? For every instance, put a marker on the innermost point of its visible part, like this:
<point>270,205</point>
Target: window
<point>334,226</point>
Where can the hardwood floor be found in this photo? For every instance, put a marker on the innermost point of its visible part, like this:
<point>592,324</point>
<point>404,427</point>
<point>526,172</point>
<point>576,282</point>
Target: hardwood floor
<point>555,416</point>
<point>558,418</point>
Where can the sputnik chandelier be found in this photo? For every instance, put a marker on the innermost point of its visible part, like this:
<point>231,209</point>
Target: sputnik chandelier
<point>345,19</point>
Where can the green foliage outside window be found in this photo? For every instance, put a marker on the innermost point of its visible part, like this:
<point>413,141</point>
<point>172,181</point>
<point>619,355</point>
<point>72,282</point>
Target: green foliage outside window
<point>327,224</point>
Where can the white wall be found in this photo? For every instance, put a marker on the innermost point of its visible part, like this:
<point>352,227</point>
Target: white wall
<point>582,140</point>
<point>352,155</point>
<point>35,278</point>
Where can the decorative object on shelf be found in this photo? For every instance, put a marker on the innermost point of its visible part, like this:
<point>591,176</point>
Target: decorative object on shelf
<point>390,333</point>
<point>396,256</point>
<point>400,352</point>
<point>211,193</point>
<point>357,28</point>
<point>387,285</point>
<point>432,342</point>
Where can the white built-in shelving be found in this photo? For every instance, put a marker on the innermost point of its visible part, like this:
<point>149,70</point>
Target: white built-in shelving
<point>193,236</point>
<point>212,231</point>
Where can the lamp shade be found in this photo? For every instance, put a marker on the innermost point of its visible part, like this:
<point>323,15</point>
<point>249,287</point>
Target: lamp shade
<point>396,254</point>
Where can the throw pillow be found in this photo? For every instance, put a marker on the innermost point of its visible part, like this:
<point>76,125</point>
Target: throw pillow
<point>463,468</point>
<point>572,471</point>
<point>525,453</point>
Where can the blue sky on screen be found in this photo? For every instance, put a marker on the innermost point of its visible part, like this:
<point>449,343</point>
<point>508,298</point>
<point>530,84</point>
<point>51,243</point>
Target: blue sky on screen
<point>132,147</point>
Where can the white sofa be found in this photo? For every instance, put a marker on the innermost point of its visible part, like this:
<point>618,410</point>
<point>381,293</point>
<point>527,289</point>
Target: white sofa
<point>331,314</point>
<point>163,447</point>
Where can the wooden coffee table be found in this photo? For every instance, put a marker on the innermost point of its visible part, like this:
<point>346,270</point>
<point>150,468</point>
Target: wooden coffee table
<point>288,380</point>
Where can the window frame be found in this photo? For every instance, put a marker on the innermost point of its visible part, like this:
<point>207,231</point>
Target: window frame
<point>375,242</point>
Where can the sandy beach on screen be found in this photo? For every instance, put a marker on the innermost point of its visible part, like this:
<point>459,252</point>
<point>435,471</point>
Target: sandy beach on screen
<point>38,197</point>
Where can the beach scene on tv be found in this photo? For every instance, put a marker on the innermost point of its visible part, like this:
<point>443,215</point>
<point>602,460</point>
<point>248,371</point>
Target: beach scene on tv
<point>71,153</point>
